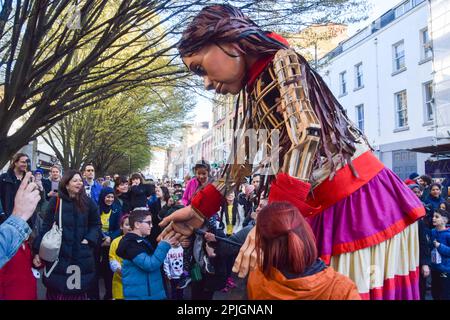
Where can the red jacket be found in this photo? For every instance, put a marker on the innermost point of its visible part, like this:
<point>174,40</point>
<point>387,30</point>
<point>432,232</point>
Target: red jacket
<point>17,281</point>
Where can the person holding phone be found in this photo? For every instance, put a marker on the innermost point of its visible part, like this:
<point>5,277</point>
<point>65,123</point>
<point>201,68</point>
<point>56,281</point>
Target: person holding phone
<point>17,281</point>
<point>15,229</point>
<point>51,185</point>
<point>10,182</point>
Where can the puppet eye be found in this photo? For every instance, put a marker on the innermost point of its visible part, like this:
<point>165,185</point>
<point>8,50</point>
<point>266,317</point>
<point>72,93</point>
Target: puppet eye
<point>198,70</point>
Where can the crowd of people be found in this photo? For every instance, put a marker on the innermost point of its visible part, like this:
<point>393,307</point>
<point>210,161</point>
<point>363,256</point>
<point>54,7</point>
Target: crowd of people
<point>110,230</point>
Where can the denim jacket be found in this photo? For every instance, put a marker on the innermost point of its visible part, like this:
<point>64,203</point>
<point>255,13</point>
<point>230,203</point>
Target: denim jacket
<point>13,232</point>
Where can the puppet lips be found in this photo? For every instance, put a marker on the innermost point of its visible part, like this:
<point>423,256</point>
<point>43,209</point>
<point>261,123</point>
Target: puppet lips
<point>219,88</point>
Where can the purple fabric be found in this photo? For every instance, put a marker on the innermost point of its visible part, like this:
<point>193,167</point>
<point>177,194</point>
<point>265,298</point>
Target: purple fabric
<point>190,190</point>
<point>374,207</point>
<point>405,289</point>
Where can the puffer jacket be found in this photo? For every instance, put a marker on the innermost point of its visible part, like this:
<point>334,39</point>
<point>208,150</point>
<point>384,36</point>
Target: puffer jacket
<point>141,268</point>
<point>73,256</point>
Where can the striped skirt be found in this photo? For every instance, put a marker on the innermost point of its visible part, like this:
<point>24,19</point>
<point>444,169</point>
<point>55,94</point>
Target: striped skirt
<point>371,236</point>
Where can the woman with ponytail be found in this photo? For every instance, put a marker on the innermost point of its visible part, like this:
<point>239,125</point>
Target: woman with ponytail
<point>288,267</point>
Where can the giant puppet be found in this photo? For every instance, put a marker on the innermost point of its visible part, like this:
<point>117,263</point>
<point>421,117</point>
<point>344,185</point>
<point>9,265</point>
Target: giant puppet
<point>361,213</point>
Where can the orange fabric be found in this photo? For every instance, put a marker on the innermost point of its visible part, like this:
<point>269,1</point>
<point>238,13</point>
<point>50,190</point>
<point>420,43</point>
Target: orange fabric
<point>381,236</point>
<point>325,285</point>
<point>345,183</point>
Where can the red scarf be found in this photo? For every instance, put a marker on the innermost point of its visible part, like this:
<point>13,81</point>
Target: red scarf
<point>258,67</point>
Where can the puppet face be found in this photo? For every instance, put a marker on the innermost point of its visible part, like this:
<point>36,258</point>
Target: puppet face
<point>220,71</point>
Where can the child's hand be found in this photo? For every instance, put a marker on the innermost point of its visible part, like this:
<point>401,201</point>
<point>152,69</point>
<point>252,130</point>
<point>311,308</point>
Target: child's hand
<point>210,251</point>
<point>185,243</point>
<point>172,238</point>
<point>425,271</point>
<point>436,244</point>
<point>210,237</point>
<point>37,263</point>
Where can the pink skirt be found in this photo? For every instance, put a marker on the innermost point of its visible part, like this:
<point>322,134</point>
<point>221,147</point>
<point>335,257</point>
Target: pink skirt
<point>371,236</point>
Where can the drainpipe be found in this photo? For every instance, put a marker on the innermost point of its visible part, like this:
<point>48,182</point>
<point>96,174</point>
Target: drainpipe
<point>377,150</point>
<point>378,90</point>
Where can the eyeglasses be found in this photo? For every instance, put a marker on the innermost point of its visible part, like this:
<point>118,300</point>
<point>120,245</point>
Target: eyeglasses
<point>147,222</point>
<point>89,170</point>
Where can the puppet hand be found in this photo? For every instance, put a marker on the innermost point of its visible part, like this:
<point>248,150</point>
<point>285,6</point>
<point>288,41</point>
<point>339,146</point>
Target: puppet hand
<point>246,259</point>
<point>182,221</point>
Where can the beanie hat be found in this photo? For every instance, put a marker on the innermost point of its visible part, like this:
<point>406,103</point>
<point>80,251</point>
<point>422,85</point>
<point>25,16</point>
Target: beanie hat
<point>413,175</point>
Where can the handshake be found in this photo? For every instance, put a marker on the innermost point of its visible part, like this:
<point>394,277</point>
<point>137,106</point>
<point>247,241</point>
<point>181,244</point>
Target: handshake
<point>182,223</point>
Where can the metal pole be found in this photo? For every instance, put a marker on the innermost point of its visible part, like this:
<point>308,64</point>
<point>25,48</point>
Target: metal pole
<point>201,232</point>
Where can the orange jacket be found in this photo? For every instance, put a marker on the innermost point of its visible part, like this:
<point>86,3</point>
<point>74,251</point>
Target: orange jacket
<point>325,285</point>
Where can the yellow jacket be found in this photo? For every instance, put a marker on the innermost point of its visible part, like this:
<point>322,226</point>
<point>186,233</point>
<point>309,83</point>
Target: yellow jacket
<point>117,288</point>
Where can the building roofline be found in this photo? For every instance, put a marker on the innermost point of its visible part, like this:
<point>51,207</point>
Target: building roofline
<point>375,26</point>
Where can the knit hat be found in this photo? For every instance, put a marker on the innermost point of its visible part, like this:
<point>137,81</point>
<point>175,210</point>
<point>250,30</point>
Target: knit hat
<point>414,176</point>
<point>412,186</point>
<point>38,171</point>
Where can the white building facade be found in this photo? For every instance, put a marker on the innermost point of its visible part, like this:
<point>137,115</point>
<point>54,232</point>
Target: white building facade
<point>383,77</point>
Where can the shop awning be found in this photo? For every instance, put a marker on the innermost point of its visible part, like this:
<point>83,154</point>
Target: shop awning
<point>440,149</point>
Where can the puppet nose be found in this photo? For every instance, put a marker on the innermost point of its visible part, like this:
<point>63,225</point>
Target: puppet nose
<point>208,83</point>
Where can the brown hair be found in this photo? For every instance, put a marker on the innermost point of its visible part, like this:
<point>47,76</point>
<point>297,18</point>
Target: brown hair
<point>16,158</point>
<point>225,24</point>
<point>136,176</point>
<point>81,200</point>
<point>56,167</point>
<point>118,181</point>
<point>137,215</point>
<point>88,165</point>
<point>284,240</point>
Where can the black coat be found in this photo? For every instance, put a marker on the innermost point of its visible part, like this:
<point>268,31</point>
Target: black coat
<point>9,184</point>
<point>47,184</point>
<point>139,195</point>
<point>76,227</point>
<point>224,213</point>
<point>123,201</point>
<point>155,208</point>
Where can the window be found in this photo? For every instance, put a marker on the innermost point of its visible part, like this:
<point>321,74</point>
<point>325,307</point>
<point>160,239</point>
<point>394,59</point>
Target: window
<point>360,116</point>
<point>359,76</point>
<point>428,99</point>
<point>403,8</point>
<point>427,49</point>
<point>401,109</point>
<point>399,56</point>
<point>343,82</point>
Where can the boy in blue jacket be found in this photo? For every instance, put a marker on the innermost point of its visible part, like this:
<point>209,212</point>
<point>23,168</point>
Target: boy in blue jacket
<point>440,256</point>
<point>141,269</point>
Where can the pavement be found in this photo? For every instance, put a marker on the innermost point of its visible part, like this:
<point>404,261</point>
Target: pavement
<point>238,293</point>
